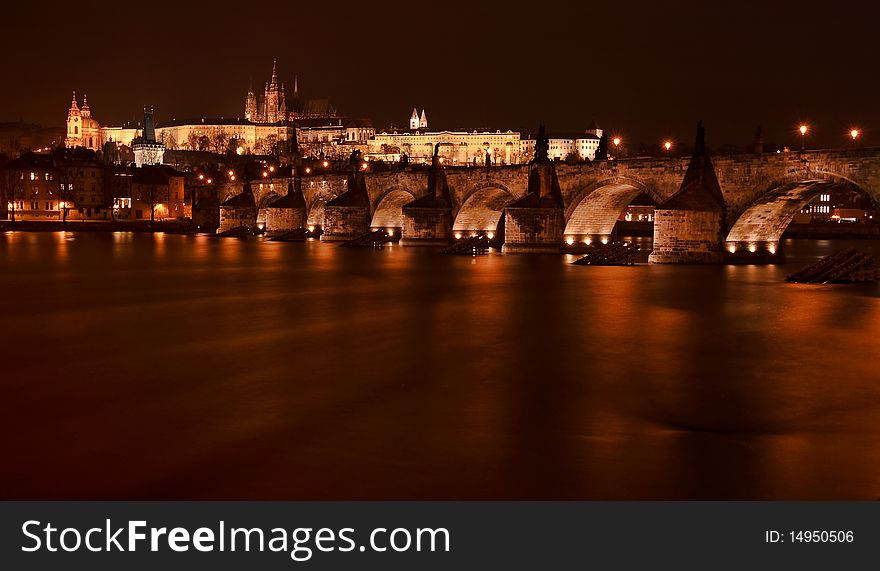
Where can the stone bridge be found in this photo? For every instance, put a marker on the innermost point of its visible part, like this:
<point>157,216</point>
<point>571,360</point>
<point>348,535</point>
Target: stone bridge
<point>762,192</point>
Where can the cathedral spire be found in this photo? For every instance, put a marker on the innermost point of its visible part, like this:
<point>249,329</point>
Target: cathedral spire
<point>295,86</point>
<point>73,104</point>
<point>274,72</point>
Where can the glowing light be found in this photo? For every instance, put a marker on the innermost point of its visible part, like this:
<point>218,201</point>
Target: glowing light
<point>201,177</point>
<point>239,151</point>
<point>210,180</point>
<point>458,235</point>
<point>803,129</point>
<point>326,164</point>
<point>364,166</point>
<point>604,240</point>
<point>490,235</point>
<point>667,145</point>
<point>233,177</point>
<point>753,248</point>
<point>265,174</point>
<point>311,228</point>
<point>772,249</point>
<point>854,134</point>
<point>441,160</point>
<point>308,170</point>
<point>732,248</point>
<point>271,169</point>
<point>569,240</point>
<point>616,141</point>
<point>390,231</point>
<point>588,241</point>
<point>231,173</point>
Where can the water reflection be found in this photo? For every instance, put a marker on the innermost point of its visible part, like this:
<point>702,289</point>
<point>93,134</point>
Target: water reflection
<point>193,367</point>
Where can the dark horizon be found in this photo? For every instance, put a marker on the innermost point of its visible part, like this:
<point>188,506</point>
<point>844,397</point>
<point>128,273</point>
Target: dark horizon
<point>647,74</point>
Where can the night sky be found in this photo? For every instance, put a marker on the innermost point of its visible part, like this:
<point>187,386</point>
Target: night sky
<point>647,73</point>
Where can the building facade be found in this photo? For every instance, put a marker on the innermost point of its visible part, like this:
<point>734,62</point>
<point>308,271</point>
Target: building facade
<point>82,129</point>
<point>271,106</point>
<point>476,147</point>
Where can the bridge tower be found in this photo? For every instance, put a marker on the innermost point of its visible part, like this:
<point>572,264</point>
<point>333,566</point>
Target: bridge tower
<point>535,222</point>
<point>689,226</point>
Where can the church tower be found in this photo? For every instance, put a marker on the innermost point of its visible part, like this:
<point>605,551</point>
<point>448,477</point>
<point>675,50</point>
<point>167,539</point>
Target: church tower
<point>414,119</point>
<point>74,125</point>
<point>423,121</point>
<point>250,105</point>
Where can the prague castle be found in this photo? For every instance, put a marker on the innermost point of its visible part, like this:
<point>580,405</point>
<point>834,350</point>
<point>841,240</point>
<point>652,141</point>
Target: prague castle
<point>271,120</point>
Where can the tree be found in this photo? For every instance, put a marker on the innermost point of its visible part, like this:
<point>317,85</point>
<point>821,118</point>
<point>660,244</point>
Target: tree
<point>220,142</point>
<point>602,150</point>
<point>192,141</point>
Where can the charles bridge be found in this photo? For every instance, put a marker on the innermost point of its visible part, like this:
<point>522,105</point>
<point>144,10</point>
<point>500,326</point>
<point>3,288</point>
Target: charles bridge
<point>759,196</point>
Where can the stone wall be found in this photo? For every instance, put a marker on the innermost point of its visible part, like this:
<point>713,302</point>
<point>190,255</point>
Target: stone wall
<point>533,230</point>
<point>687,237</point>
<point>281,220</point>
<point>427,226</point>
<point>345,222</point>
<point>235,217</point>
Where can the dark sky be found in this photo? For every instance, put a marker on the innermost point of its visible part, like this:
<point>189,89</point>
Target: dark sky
<point>648,72</point>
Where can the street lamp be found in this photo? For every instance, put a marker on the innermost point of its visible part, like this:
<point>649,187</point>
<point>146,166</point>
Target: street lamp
<point>803,129</point>
<point>667,145</point>
<point>854,134</point>
<point>616,141</point>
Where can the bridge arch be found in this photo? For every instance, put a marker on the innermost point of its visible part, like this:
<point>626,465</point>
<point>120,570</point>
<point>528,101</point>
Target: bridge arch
<point>595,210</point>
<point>760,227</point>
<point>315,215</point>
<point>482,209</point>
<point>389,208</point>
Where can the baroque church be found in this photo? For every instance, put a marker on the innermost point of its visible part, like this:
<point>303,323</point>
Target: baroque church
<point>82,129</point>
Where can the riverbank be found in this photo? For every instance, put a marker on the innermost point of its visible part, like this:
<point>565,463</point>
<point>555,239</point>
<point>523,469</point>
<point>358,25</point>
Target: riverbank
<point>832,231</point>
<point>170,226</point>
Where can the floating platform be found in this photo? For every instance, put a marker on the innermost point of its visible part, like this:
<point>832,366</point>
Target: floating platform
<point>473,246</point>
<point>298,235</point>
<point>613,254</point>
<point>374,239</point>
<point>843,267</point>
<point>238,232</point>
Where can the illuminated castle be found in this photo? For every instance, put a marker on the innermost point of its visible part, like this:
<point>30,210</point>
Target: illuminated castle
<point>271,107</point>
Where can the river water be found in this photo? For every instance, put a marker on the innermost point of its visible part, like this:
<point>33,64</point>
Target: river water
<point>163,366</point>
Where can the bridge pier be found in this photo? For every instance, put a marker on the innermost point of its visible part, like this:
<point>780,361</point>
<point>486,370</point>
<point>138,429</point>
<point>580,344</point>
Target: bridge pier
<point>428,220</point>
<point>535,223</point>
<point>348,215</point>
<point>760,252</point>
<point>286,213</point>
<point>689,226</point>
<point>239,211</point>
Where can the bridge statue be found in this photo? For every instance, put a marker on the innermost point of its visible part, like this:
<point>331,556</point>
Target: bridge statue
<point>542,146</point>
<point>436,150</point>
<point>354,160</point>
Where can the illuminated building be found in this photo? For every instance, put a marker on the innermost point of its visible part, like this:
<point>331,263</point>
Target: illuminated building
<point>62,186</point>
<point>82,129</point>
<point>147,151</point>
<point>159,188</point>
<point>472,147</point>
<point>217,135</point>
<point>272,106</point>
